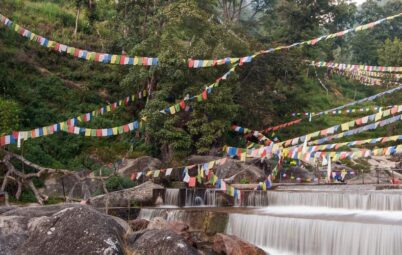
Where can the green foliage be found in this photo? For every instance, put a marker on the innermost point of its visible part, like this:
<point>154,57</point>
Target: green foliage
<point>9,116</point>
<point>119,182</point>
<point>390,54</point>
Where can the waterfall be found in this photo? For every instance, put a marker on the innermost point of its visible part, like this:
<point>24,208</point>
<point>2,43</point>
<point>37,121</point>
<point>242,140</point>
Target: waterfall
<point>292,230</point>
<point>210,197</point>
<point>374,200</point>
<point>201,197</point>
<point>256,198</point>
<point>172,197</point>
<point>150,213</point>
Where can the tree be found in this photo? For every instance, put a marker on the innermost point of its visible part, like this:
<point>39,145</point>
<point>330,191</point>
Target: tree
<point>9,116</point>
<point>390,54</point>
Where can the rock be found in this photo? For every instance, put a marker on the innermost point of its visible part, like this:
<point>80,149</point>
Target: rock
<point>74,230</point>
<point>156,242</point>
<point>139,195</point>
<point>140,164</point>
<point>60,186</point>
<point>138,224</point>
<point>238,171</point>
<point>13,233</point>
<point>178,227</point>
<point>198,159</point>
<point>38,211</point>
<point>232,245</point>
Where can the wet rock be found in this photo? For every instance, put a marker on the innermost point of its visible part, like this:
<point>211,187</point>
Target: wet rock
<point>138,224</point>
<point>232,245</point>
<point>156,242</point>
<point>74,230</point>
<point>140,164</point>
<point>139,195</point>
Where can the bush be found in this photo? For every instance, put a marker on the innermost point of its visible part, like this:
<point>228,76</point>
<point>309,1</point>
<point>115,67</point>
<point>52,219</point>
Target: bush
<point>119,182</point>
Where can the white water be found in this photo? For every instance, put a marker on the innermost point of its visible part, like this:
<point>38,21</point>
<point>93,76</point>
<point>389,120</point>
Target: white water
<point>308,230</point>
<point>374,200</point>
<point>256,198</point>
<point>172,197</point>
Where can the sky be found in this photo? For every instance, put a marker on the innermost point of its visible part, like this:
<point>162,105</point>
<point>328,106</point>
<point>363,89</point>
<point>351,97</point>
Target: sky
<point>359,1</point>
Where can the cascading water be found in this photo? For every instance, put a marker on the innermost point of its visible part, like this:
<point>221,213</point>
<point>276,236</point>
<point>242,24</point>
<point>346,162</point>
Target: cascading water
<point>172,197</point>
<point>374,200</point>
<point>201,197</point>
<point>257,198</point>
<point>210,197</point>
<point>308,230</point>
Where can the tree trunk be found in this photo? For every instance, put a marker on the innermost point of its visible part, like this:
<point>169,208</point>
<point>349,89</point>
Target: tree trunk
<point>76,21</point>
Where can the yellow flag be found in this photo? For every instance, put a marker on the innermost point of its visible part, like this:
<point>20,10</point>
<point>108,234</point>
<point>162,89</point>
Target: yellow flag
<point>378,116</point>
<point>172,110</point>
<point>243,157</point>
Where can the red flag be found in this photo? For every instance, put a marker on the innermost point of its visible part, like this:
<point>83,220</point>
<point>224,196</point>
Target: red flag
<point>144,61</point>
<point>133,175</point>
<point>2,140</point>
<point>122,59</point>
<point>191,183</point>
<point>182,104</point>
<point>190,63</point>
<point>204,95</point>
<point>76,52</point>
<point>99,132</point>
<point>125,128</point>
<point>97,56</point>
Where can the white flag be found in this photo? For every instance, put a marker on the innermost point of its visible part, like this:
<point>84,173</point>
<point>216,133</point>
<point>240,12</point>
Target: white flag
<point>169,171</point>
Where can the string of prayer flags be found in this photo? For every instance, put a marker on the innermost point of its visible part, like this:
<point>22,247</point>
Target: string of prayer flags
<point>347,111</point>
<point>215,62</point>
<point>86,117</point>
<point>366,99</point>
<point>345,126</point>
<point>17,136</point>
<point>336,146</point>
<point>106,58</point>
<point>261,137</point>
<point>354,67</point>
<point>358,130</point>
<point>151,61</point>
<point>173,109</point>
<point>358,73</point>
<point>354,154</point>
<point>280,126</point>
<point>365,80</point>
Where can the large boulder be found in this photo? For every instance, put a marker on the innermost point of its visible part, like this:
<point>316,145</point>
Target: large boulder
<point>63,229</point>
<point>232,245</point>
<point>60,186</point>
<point>139,195</point>
<point>158,241</point>
<point>139,165</point>
<point>178,227</point>
<point>235,171</point>
<point>13,232</point>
